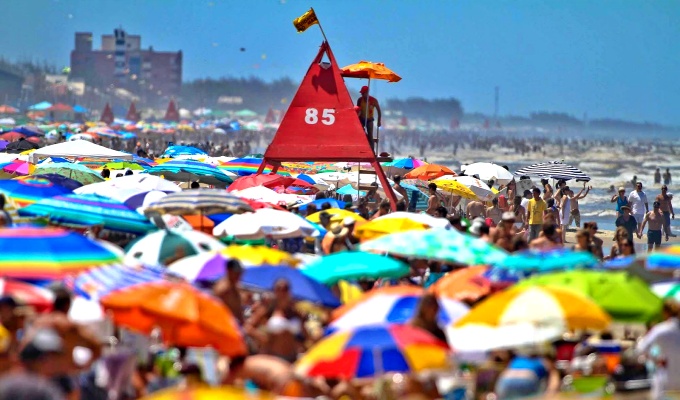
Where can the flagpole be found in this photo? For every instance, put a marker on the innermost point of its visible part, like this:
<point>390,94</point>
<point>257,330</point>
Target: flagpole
<point>325,39</point>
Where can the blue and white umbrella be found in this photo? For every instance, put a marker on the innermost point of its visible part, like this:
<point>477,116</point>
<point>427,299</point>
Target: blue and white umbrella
<point>554,170</point>
<point>187,171</point>
<point>99,282</point>
<point>175,151</point>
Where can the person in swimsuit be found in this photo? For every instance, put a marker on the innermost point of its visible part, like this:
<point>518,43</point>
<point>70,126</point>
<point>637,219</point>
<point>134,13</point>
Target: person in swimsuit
<point>278,326</point>
<point>655,220</point>
<point>226,289</point>
<point>527,376</point>
<point>620,200</point>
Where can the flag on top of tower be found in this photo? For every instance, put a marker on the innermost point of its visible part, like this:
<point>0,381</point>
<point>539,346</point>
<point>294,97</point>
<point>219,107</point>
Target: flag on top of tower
<point>305,21</point>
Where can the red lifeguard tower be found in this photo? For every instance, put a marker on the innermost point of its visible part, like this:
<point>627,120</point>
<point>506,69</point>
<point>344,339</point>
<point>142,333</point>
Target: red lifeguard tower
<point>321,124</point>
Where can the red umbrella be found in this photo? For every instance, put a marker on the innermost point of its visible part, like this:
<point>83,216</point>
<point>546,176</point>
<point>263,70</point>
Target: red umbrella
<point>269,181</point>
<point>27,294</point>
<point>12,136</point>
<point>259,204</point>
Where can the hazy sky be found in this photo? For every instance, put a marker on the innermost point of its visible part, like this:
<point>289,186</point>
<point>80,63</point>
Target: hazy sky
<point>616,58</point>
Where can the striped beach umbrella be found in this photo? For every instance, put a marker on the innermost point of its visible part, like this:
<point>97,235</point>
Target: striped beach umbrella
<point>200,201</point>
<point>89,209</point>
<point>27,294</point>
<point>188,171</point>
<point>156,247</point>
<point>28,190</point>
<point>248,166</point>
<point>554,170</point>
<point>47,253</point>
<point>99,282</point>
<point>372,351</point>
<point>174,151</point>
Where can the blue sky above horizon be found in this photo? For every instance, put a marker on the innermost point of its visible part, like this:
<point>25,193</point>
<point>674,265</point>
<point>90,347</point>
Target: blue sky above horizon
<point>618,59</point>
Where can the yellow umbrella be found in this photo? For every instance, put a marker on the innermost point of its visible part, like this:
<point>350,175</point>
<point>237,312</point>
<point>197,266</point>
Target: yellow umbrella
<point>456,188</point>
<point>259,255</point>
<point>206,393</point>
<point>384,226</point>
<point>370,70</point>
<point>27,152</point>
<point>337,215</point>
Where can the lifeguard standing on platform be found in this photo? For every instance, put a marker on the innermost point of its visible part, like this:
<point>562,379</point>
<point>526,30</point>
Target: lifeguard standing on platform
<point>367,105</point>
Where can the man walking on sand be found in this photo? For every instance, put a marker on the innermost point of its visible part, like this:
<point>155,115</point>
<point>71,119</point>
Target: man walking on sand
<point>638,202</point>
<point>667,209</point>
<point>655,219</point>
<point>535,209</point>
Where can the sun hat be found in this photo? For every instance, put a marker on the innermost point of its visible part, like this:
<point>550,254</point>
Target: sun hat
<point>508,216</point>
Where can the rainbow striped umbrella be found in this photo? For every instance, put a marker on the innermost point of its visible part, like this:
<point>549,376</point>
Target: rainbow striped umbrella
<point>48,253</point>
<point>375,350</point>
<point>248,166</point>
<point>89,209</point>
<point>28,190</point>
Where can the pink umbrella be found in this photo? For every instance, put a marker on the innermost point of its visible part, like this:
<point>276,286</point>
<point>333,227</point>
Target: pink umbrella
<point>19,168</point>
<point>27,294</point>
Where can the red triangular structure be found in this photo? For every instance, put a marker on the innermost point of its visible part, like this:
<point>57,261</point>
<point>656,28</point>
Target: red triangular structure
<point>132,114</point>
<point>321,123</point>
<point>271,117</point>
<point>404,122</point>
<point>107,115</point>
<point>172,114</point>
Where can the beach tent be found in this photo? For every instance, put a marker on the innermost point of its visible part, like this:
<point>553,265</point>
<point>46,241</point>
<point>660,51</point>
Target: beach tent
<point>78,148</point>
<point>42,106</point>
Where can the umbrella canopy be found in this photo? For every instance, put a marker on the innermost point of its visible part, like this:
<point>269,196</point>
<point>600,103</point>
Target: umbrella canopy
<point>131,165</point>
<point>406,163</point>
<point>429,171</point>
<point>266,222</point>
<point>27,294</point>
<point>554,170</point>
<point>29,189</point>
<point>668,259</point>
<point>381,227</point>
<point>187,317</point>
<point>248,166</point>
<point>155,248</point>
<point>187,171</point>
<point>667,290</point>
<point>480,189</point>
<point>301,286</point>
<point>424,219</point>
<point>259,255</point>
<point>57,180</point>
<point>5,109</point>
<point>174,151</point>
<point>488,171</point>
<point>372,351</point>
<point>139,182</point>
<point>204,201</point>
<point>77,172</point>
<point>438,244</point>
<point>19,167</point>
<point>464,284</point>
<point>536,260</point>
<point>99,282</point>
<point>370,70</point>
<point>89,209</point>
<point>268,181</point>
<point>392,304</point>
<point>352,265</point>
<point>611,290</point>
<point>209,394</point>
<point>337,215</point>
<point>46,253</point>
<point>320,202</point>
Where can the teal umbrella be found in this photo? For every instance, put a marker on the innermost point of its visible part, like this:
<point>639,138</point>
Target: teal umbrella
<point>77,172</point>
<point>438,244</point>
<point>352,265</point>
<point>551,260</point>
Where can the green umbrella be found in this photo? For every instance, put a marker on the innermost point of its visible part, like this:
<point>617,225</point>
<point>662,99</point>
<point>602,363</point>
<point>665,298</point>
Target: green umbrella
<point>77,172</point>
<point>438,244</point>
<point>124,165</point>
<point>625,297</point>
<point>351,265</point>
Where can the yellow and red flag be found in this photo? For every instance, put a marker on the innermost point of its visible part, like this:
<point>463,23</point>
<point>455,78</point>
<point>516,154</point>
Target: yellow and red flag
<point>305,20</point>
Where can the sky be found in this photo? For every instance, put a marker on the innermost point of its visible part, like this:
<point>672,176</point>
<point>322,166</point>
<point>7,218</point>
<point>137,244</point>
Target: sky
<point>613,58</point>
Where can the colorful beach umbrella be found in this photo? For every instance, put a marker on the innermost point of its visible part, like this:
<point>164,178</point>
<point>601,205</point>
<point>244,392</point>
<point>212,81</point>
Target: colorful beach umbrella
<point>248,166</point>
<point>429,171</point>
<point>453,184</point>
<point>120,165</point>
<point>57,180</point>
<point>373,351</point>
<point>27,294</point>
<point>406,163</point>
<point>73,171</point>
<point>208,393</point>
<point>380,227</point>
<point>320,202</point>
<point>268,180</point>
<point>200,201</point>
<point>392,304</point>
<point>19,167</point>
<point>668,259</point>
<point>465,284</point>
<point>175,151</point>
<point>26,191</point>
<point>47,253</point>
<point>187,317</point>
<point>156,247</point>
<point>301,287</point>
<point>259,255</point>
<point>190,171</point>
<point>266,222</point>
<point>534,260</point>
<point>438,244</point>
<point>89,209</point>
<point>553,170</point>
<point>353,265</point>
<point>99,282</point>
<point>424,219</point>
<point>337,215</point>
<point>625,297</point>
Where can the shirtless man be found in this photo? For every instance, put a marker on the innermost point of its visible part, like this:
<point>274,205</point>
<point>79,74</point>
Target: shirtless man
<point>400,189</point>
<point>549,238</point>
<point>226,289</point>
<point>655,219</point>
<point>667,209</point>
<point>72,335</point>
<point>475,209</point>
<point>494,212</point>
<point>433,202</point>
<point>503,235</point>
<point>269,373</point>
<point>575,214</point>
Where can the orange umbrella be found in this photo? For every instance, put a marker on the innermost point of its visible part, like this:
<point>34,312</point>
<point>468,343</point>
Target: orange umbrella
<point>186,316</point>
<point>429,171</point>
<point>464,285</point>
<point>370,70</point>
<point>200,222</point>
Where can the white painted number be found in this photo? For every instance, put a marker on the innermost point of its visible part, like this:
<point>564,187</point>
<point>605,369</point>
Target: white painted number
<point>327,117</point>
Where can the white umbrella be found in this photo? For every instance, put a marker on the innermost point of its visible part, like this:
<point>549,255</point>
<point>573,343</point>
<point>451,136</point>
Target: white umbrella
<point>424,219</point>
<point>265,222</point>
<point>478,337</point>
<point>140,182</point>
<point>266,195</point>
<point>156,247</point>
<point>488,171</point>
<point>481,189</point>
